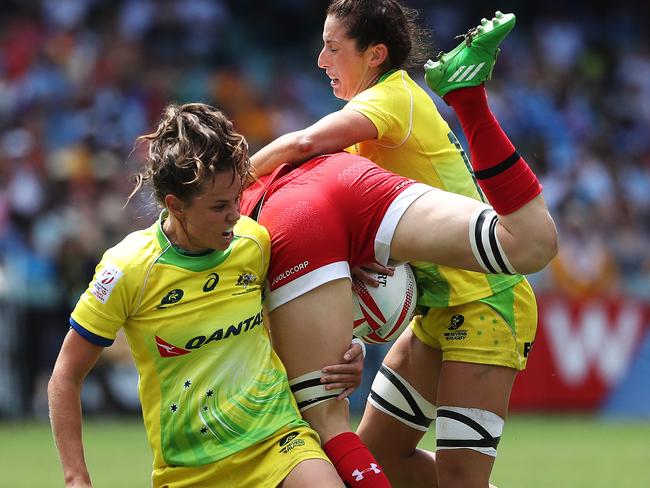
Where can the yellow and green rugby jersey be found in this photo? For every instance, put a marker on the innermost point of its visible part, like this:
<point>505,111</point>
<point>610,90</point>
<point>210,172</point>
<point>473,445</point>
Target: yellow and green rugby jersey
<point>413,140</point>
<point>210,382</point>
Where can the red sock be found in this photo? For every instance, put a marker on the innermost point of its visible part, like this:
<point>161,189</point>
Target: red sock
<point>354,463</point>
<point>503,175</point>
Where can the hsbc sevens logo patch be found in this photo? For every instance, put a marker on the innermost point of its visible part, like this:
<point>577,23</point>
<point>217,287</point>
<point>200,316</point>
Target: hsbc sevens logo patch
<point>105,282</point>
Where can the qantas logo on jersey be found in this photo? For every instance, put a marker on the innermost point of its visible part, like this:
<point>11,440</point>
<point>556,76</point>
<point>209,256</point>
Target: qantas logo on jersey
<point>225,332</point>
<point>168,350</point>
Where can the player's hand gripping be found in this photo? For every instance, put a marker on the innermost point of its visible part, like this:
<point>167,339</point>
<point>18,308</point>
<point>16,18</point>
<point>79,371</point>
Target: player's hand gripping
<point>366,273</point>
<point>346,375</point>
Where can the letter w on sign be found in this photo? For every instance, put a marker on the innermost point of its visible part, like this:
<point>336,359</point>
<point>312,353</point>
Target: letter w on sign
<point>597,336</point>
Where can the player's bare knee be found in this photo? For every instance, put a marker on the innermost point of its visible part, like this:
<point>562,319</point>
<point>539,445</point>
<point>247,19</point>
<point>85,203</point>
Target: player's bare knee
<point>532,239</point>
<point>547,243</point>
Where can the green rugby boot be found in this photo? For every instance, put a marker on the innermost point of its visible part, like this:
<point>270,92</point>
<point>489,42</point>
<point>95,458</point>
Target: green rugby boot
<point>472,61</point>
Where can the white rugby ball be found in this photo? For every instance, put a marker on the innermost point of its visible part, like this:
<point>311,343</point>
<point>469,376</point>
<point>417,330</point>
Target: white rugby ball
<point>381,314</point>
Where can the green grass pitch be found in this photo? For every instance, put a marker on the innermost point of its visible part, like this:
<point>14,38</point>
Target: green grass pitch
<point>535,452</point>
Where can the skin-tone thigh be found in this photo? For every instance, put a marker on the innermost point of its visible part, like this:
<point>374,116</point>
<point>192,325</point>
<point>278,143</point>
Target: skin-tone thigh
<point>435,228</point>
<point>313,472</point>
<point>310,332</point>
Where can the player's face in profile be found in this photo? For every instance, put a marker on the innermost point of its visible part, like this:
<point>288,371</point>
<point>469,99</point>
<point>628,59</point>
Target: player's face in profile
<point>210,218</point>
<point>342,62</point>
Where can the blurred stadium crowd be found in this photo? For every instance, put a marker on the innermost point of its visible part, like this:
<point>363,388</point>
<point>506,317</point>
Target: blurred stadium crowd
<point>80,79</point>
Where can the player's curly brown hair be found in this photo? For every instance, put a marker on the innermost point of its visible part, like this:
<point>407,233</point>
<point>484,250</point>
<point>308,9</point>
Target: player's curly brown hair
<point>192,143</point>
<point>386,22</point>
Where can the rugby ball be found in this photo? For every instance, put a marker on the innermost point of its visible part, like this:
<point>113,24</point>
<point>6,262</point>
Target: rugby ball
<point>381,314</point>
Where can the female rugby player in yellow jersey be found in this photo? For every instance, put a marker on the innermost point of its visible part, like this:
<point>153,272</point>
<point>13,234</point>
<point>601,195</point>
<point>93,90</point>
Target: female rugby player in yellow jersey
<point>215,398</point>
<point>450,357</point>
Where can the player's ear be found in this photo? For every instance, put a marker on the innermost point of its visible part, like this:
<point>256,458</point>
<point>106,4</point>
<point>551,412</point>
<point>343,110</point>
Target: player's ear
<point>174,205</point>
<point>378,55</point>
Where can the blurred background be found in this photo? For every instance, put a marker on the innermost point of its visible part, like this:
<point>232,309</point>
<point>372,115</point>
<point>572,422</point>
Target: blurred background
<point>81,79</point>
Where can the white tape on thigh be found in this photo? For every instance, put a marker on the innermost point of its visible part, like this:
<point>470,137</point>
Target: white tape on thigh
<point>394,396</point>
<point>485,244</point>
<point>468,428</point>
<point>309,391</point>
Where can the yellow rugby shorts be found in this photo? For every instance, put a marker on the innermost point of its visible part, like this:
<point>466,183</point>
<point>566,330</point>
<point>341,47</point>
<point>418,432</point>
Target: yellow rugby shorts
<point>498,330</point>
<point>263,465</point>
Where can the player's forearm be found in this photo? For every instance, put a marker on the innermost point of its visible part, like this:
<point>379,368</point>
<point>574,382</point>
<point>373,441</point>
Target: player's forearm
<point>290,148</point>
<point>65,418</point>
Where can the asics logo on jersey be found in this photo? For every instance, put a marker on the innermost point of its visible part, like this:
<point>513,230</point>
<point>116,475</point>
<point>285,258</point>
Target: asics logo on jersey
<point>213,279</point>
<point>358,475</point>
<point>465,73</point>
<point>172,297</point>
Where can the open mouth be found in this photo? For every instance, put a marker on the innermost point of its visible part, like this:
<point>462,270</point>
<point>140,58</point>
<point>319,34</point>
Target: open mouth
<point>333,81</point>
